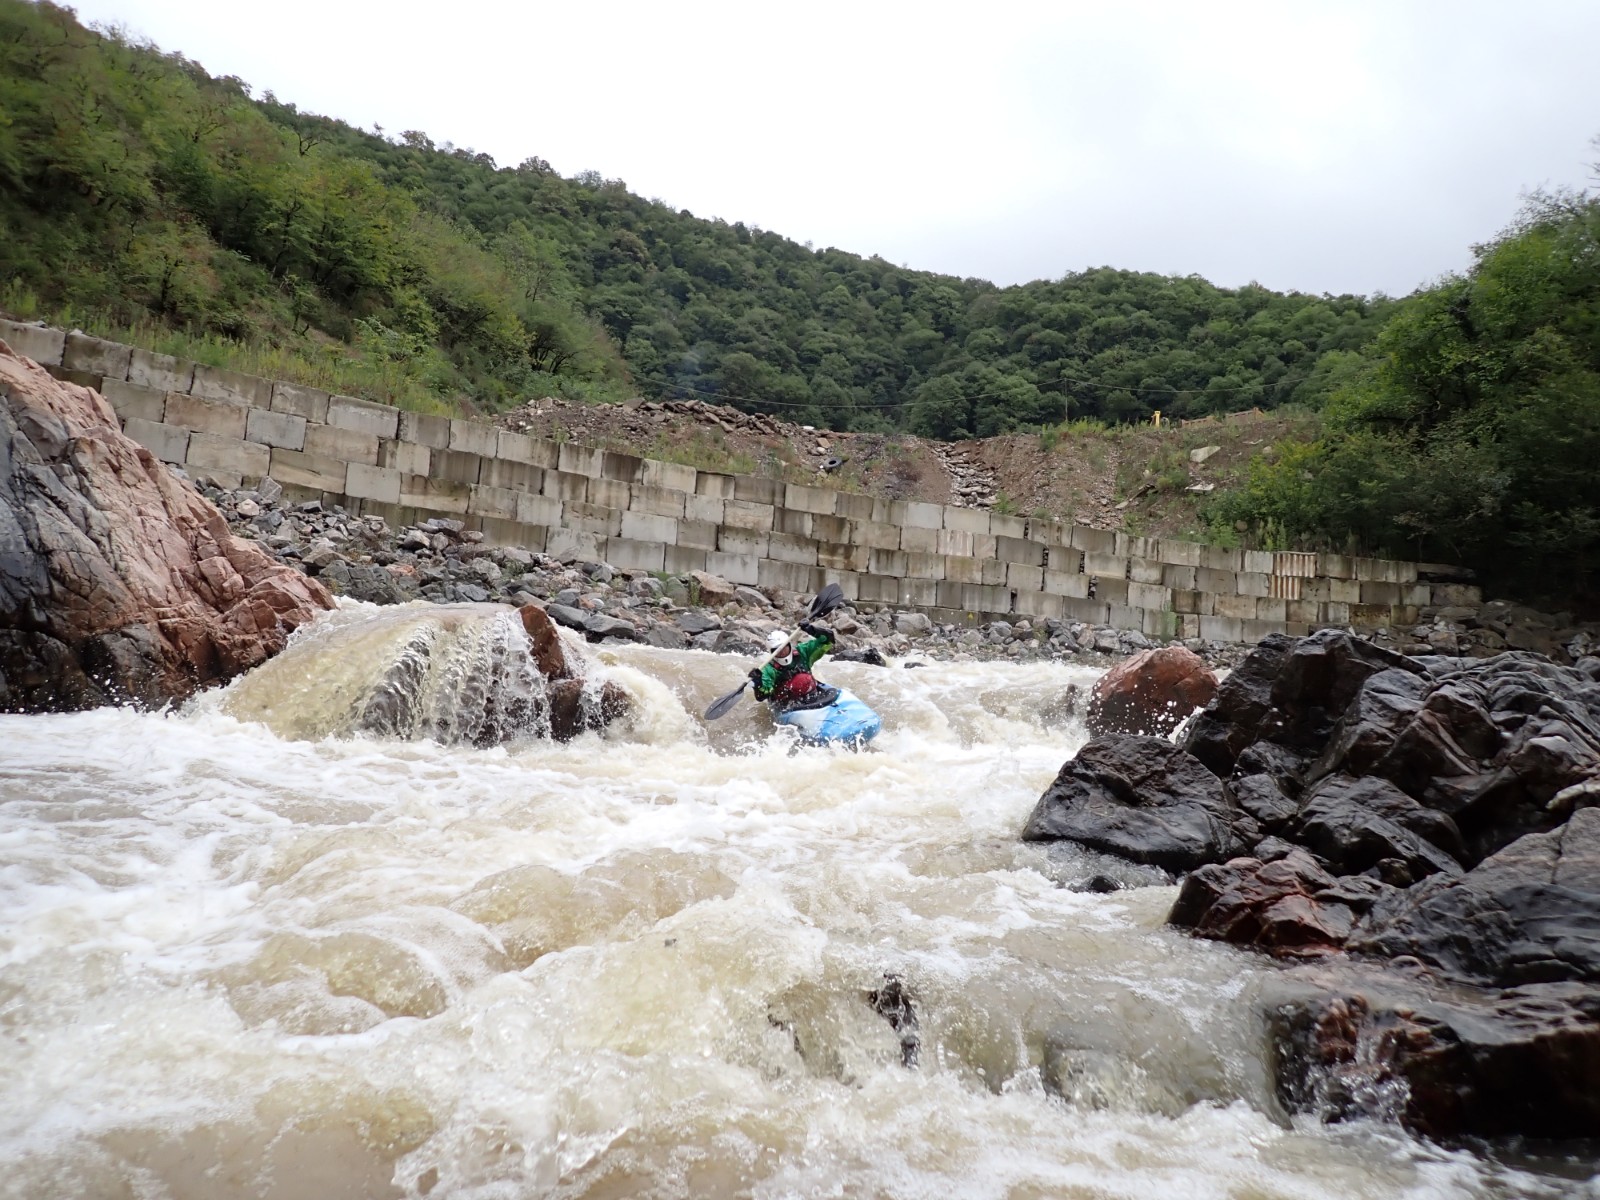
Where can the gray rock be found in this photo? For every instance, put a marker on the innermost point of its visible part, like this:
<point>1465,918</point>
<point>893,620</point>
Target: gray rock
<point>599,627</point>
<point>912,624</point>
<point>566,614</point>
<point>697,620</point>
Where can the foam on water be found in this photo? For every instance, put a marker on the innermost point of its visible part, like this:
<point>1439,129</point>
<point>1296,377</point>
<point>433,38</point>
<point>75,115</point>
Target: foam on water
<point>234,964</point>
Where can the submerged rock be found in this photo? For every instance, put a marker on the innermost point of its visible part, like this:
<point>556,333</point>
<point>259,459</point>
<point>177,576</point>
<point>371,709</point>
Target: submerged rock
<point>118,581</point>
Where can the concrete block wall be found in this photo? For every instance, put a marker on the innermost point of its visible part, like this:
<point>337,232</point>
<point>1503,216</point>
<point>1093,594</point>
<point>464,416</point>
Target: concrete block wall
<point>577,503</point>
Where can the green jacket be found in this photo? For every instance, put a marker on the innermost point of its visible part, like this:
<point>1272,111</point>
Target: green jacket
<point>772,679</point>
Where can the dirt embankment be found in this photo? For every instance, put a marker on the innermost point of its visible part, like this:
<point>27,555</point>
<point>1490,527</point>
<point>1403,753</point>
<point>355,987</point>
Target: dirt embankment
<point>1144,479</point>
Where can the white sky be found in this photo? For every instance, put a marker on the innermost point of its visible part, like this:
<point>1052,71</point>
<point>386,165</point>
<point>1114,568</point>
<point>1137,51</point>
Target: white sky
<point>1345,146</point>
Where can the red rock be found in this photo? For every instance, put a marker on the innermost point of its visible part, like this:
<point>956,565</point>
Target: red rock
<point>118,581</point>
<point>1151,692</point>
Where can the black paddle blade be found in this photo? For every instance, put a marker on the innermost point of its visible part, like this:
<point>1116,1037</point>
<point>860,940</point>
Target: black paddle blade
<point>720,706</point>
<point>828,599</point>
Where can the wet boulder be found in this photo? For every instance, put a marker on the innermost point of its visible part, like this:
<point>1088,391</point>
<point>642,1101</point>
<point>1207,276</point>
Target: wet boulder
<point>118,581</point>
<point>1151,692</point>
<point>1142,799</point>
<point>1290,906</point>
<point>1354,825</point>
<point>1529,914</point>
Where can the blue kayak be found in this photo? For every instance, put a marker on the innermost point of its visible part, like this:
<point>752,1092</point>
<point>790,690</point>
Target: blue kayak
<point>847,720</point>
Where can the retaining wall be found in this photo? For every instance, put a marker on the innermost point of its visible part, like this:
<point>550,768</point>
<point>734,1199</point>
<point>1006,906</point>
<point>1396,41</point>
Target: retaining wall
<point>580,503</point>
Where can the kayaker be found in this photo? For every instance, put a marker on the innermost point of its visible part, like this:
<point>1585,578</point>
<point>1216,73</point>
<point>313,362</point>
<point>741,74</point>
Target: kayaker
<point>785,680</point>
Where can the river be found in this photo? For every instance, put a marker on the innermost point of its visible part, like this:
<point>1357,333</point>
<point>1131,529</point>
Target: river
<point>235,963</point>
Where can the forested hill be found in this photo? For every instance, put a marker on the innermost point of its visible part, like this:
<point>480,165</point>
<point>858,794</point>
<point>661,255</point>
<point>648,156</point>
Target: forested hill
<point>137,190</point>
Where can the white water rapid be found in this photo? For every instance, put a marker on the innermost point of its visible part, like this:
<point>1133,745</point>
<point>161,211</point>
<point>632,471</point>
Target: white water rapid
<point>236,962</point>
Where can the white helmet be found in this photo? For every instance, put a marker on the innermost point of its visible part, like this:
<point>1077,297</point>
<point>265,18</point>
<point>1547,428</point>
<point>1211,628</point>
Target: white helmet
<point>777,639</point>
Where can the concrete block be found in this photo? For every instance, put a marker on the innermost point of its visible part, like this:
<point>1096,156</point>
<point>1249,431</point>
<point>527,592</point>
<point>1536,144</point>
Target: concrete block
<point>1336,566</point>
<point>875,535</point>
<point>713,486</point>
<point>888,562</point>
<point>378,483</point>
<point>1019,550</point>
<point>93,355</point>
<point>425,430</point>
<point>566,485</point>
<point>216,417</point>
<point>276,429</point>
<point>917,540</point>
<point>1112,591</point>
<point>515,447</point>
<point>853,507</point>
<point>1253,583</point>
<point>878,589</point>
<point>546,454</point>
<point>1092,541</point>
<point>733,540</point>
<point>333,442</point>
<point>486,501</point>
<point>1242,608</point>
<point>826,528</point>
<point>1254,631</point>
<point>656,500</point>
<point>1129,545</point>
<point>508,473</point>
<point>1217,559</point>
<point>38,342</point>
<point>230,387</point>
<point>960,568</point>
<point>1188,627</point>
<point>755,489</point>
<point>314,472</point>
<point>1040,604</point>
<point>841,556</point>
<point>1179,577</point>
<point>954,541</point>
<point>849,582</point>
<point>632,555</point>
<point>1208,579</point>
<point>435,495</point>
<point>538,510</point>
<point>1179,554</point>
<point>1023,578</point>
<point>500,532</point>
<point>163,372</point>
<point>674,477</point>
<point>649,527</point>
<point>469,437</point>
<point>595,518</point>
<point>409,458</point>
<point>131,400</point>
<point>703,508</point>
<point>966,520</point>
<point>680,560</point>
<point>573,545</point>
<point>1053,534</point>
<point>1149,595</point>
<point>1004,526</point>
<point>1379,592</point>
<point>794,521</point>
<point>1344,591</point>
<point>297,400</point>
<point>1160,624</point>
<point>791,577</point>
<point>700,535</point>
<point>1187,602</point>
<point>167,442</point>
<point>621,468</point>
<point>86,379</point>
<point>1145,570</point>
<point>1270,609</point>
<point>1303,612</point>
<point>919,593</point>
<point>1258,562</point>
<point>1067,583</point>
<point>745,514</point>
<point>1222,629</point>
<point>397,515</point>
<point>612,493</point>
<point>924,566</point>
<point>735,568</point>
<point>1096,612</point>
<point>213,455</point>
<point>1335,613</point>
<point>1104,566</point>
<point>792,548</point>
<point>992,572</point>
<point>810,499</point>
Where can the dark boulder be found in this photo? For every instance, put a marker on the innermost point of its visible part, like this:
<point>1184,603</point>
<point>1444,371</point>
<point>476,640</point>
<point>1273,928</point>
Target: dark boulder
<point>1529,914</point>
<point>1145,800</point>
<point>1354,824</point>
<point>1151,692</point>
<point>1288,907</point>
<point>870,655</point>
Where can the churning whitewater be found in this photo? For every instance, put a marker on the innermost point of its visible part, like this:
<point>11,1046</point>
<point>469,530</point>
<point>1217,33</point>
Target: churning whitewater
<point>251,951</point>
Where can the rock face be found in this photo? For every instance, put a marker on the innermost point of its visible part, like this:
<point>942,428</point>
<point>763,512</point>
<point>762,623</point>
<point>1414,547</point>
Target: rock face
<point>118,582</point>
<point>1438,812</point>
<point>574,705</point>
<point>1151,693</point>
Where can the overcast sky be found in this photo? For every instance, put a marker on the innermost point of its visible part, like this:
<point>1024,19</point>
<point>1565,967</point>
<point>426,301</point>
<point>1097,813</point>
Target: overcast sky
<point>1336,147</point>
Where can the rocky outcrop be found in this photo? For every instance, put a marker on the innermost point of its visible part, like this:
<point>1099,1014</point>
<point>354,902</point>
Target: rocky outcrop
<point>1151,692</point>
<point>575,705</point>
<point>118,582</point>
<point>1143,799</point>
